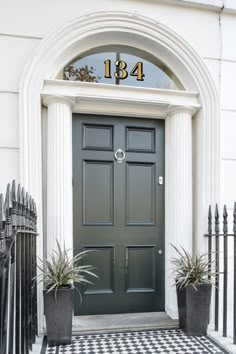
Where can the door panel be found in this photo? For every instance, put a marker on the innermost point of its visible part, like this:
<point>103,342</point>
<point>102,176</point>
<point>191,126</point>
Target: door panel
<point>138,139</point>
<point>141,269</point>
<point>98,181</point>
<point>105,262</point>
<point>140,186</point>
<point>97,137</point>
<point>119,212</point>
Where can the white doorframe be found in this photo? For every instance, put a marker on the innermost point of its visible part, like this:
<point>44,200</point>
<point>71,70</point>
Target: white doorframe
<point>105,28</point>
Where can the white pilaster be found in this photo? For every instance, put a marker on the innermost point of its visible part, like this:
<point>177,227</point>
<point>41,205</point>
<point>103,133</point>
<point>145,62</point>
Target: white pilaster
<point>178,202</point>
<point>59,172</point>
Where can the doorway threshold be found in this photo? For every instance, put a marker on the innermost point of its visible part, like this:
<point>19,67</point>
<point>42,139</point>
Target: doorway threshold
<point>122,322</point>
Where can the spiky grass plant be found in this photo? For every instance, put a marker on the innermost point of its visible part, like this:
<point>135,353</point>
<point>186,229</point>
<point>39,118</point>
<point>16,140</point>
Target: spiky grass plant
<point>192,270</point>
<point>61,270</point>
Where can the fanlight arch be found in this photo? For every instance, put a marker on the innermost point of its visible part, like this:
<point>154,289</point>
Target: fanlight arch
<point>120,65</point>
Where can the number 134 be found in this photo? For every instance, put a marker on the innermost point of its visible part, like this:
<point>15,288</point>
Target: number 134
<point>121,70</point>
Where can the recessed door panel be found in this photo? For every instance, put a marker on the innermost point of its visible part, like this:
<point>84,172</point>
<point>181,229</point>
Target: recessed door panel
<point>102,258</point>
<point>140,139</point>
<point>118,208</point>
<point>140,193</point>
<point>97,137</point>
<point>141,269</point>
<point>97,193</point>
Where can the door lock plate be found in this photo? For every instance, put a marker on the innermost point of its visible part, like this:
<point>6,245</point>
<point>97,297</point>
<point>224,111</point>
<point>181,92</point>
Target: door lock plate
<point>160,180</point>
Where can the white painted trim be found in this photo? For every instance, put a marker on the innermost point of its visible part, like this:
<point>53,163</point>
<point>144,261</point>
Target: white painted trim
<point>84,89</point>
<point>118,100</point>
<point>102,28</point>
<point>58,99</point>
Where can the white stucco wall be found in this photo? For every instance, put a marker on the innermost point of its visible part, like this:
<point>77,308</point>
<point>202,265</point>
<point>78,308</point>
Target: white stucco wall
<point>209,30</point>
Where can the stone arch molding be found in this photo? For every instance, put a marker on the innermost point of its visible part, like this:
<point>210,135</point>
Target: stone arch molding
<point>80,34</point>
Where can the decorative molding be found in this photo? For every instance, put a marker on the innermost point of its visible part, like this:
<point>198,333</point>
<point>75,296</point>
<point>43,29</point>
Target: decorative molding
<point>103,28</point>
<point>127,93</point>
<point>58,99</point>
<point>173,110</point>
<point>119,100</point>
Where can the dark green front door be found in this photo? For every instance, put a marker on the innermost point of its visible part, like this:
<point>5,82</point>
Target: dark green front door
<point>119,211</point>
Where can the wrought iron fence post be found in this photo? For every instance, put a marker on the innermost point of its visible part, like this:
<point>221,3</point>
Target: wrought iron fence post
<point>226,265</point>
<point>225,285</point>
<point>217,231</point>
<point>17,267</point>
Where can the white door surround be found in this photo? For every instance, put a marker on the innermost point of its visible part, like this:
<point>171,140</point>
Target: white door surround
<point>82,34</point>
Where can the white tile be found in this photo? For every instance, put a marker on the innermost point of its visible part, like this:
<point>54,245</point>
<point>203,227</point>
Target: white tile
<point>15,52</point>
<point>228,135</point>
<point>9,167</point>
<point>9,120</point>
<point>228,182</point>
<point>228,79</point>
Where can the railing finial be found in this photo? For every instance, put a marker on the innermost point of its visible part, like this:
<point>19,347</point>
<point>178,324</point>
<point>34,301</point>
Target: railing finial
<point>217,228</point>
<point>19,194</point>
<point>209,220</point>
<point>13,192</point>
<point>225,220</point>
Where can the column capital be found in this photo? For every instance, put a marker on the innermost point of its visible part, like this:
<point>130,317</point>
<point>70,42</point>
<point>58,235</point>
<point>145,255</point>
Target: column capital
<point>47,100</point>
<point>180,109</point>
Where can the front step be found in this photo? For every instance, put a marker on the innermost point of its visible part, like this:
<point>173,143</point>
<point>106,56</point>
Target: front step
<point>122,322</point>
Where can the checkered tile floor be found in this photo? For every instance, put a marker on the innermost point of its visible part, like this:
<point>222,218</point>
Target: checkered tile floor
<point>172,341</point>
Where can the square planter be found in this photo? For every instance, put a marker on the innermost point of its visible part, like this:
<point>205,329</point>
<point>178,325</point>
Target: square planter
<point>58,312</point>
<point>193,307</point>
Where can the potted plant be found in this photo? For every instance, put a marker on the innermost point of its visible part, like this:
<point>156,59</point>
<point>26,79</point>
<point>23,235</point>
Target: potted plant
<point>193,279</point>
<point>59,273</point>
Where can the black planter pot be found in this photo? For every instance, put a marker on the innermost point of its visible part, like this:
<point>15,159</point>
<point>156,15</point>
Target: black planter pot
<point>194,308</point>
<point>58,313</point>
<point>181,301</point>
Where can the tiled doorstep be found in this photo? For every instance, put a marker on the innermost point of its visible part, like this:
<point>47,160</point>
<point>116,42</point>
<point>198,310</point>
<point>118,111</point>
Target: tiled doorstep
<point>225,343</point>
<point>172,341</point>
<point>118,322</point>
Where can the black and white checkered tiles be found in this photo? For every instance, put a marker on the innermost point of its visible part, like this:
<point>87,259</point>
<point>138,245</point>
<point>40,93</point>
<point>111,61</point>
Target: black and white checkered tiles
<point>172,341</point>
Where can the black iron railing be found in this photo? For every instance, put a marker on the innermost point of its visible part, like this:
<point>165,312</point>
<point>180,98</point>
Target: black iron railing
<point>18,291</point>
<point>222,250</point>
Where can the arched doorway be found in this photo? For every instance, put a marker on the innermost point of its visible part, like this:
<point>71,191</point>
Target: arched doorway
<point>82,34</point>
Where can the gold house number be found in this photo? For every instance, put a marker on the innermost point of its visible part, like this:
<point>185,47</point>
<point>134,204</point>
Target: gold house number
<point>121,72</point>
